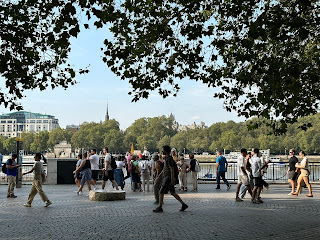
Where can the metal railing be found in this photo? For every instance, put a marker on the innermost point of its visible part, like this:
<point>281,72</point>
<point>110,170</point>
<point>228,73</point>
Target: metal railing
<point>275,172</point>
<point>25,168</point>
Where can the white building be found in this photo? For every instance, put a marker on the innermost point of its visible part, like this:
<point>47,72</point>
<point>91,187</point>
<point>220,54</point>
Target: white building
<point>12,124</point>
<point>180,128</point>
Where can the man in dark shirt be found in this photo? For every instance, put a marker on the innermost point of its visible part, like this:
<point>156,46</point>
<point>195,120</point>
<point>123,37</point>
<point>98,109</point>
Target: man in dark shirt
<point>12,171</point>
<point>292,175</point>
<point>168,180</point>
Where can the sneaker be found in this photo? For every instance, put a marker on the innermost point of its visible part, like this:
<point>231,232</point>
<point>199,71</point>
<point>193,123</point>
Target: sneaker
<point>184,207</point>
<point>13,196</point>
<point>8,196</point>
<point>27,205</point>
<point>158,209</point>
<point>257,201</point>
<point>290,194</point>
<point>79,193</point>
<point>95,188</point>
<point>239,200</point>
<point>228,187</point>
<point>48,203</point>
<point>218,188</point>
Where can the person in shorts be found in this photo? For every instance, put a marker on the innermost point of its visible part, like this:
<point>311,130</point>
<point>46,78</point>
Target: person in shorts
<point>108,172</point>
<point>257,176</point>
<point>168,180</point>
<point>242,174</point>
<point>85,168</point>
<point>292,174</point>
<point>77,177</point>
<point>135,175</point>
<point>94,159</point>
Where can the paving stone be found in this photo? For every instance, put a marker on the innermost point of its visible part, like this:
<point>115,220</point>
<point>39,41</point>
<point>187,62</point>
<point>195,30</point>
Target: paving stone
<point>212,214</point>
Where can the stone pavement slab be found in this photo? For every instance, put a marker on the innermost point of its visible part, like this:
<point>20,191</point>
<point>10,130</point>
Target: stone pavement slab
<point>212,214</point>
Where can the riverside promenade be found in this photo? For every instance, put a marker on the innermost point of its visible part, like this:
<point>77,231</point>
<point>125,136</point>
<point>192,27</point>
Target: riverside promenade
<point>212,214</point>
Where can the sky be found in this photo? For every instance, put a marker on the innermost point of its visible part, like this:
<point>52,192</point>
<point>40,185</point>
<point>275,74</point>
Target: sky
<point>87,100</point>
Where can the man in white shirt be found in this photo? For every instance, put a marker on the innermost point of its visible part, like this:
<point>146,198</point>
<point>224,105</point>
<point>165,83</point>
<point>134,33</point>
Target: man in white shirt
<point>242,174</point>
<point>108,170</point>
<point>94,160</point>
<point>257,176</point>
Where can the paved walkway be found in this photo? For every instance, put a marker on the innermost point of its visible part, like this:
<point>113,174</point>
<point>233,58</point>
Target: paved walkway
<point>212,214</point>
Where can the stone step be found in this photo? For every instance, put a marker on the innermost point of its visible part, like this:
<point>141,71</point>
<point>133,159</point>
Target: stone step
<point>102,195</point>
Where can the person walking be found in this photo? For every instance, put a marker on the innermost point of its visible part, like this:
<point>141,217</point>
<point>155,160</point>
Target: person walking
<point>38,171</point>
<point>292,174</point>
<point>94,159</point>
<point>194,173</point>
<point>118,173</point>
<point>108,170</point>
<point>242,174</point>
<point>157,182</point>
<point>222,167</point>
<point>85,168</point>
<point>257,176</point>
<point>243,188</point>
<point>168,180</point>
<point>305,172</point>
<point>77,177</point>
<point>182,166</point>
<point>12,171</point>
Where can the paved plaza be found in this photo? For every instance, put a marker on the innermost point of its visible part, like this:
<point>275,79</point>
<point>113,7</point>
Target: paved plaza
<point>212,214</point>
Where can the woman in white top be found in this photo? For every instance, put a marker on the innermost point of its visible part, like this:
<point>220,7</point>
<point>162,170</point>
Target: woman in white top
<point>118,173</point>
<point>37,182</point>
<point>183,168</point>
<point>304,168</point>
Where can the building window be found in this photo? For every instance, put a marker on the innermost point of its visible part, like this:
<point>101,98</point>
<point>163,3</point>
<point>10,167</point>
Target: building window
<point>38,128</point>
<point>9,121</point>
<point>39,121</point>
<point>27,121</point>
<point>2,129</point>
<point>45,121</point>
<point>9,129</point>
<point>3,121</point>
<point>31,127</point>
<point>32,121</point>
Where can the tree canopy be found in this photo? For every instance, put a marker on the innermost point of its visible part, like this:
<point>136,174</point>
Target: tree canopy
<point>263,56</point>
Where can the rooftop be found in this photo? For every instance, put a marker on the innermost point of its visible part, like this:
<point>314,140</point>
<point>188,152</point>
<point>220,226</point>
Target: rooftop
<point>25,115</point>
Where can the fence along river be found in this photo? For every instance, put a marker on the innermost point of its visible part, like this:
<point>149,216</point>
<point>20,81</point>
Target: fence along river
<point>276,172</point>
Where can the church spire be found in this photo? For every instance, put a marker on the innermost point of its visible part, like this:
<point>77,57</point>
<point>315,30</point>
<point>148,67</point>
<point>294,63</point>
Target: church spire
<point>107,114</point>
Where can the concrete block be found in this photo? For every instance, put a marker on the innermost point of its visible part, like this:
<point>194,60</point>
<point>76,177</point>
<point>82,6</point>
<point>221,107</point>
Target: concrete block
<point>101,195</point>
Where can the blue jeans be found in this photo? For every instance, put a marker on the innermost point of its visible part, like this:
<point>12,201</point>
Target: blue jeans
<point>221,174</point>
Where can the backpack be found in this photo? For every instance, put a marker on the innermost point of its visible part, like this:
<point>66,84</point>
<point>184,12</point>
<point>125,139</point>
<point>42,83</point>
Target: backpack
<point>113,163</point>
<point>131,168</point>
<point>4,168</point>
<point>197,167</point>
<point>144,167</point>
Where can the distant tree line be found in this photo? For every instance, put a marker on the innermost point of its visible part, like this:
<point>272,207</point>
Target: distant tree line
<point>155,132</point>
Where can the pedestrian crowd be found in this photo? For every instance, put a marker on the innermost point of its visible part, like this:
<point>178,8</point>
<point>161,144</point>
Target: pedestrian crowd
<point>164,170</point>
